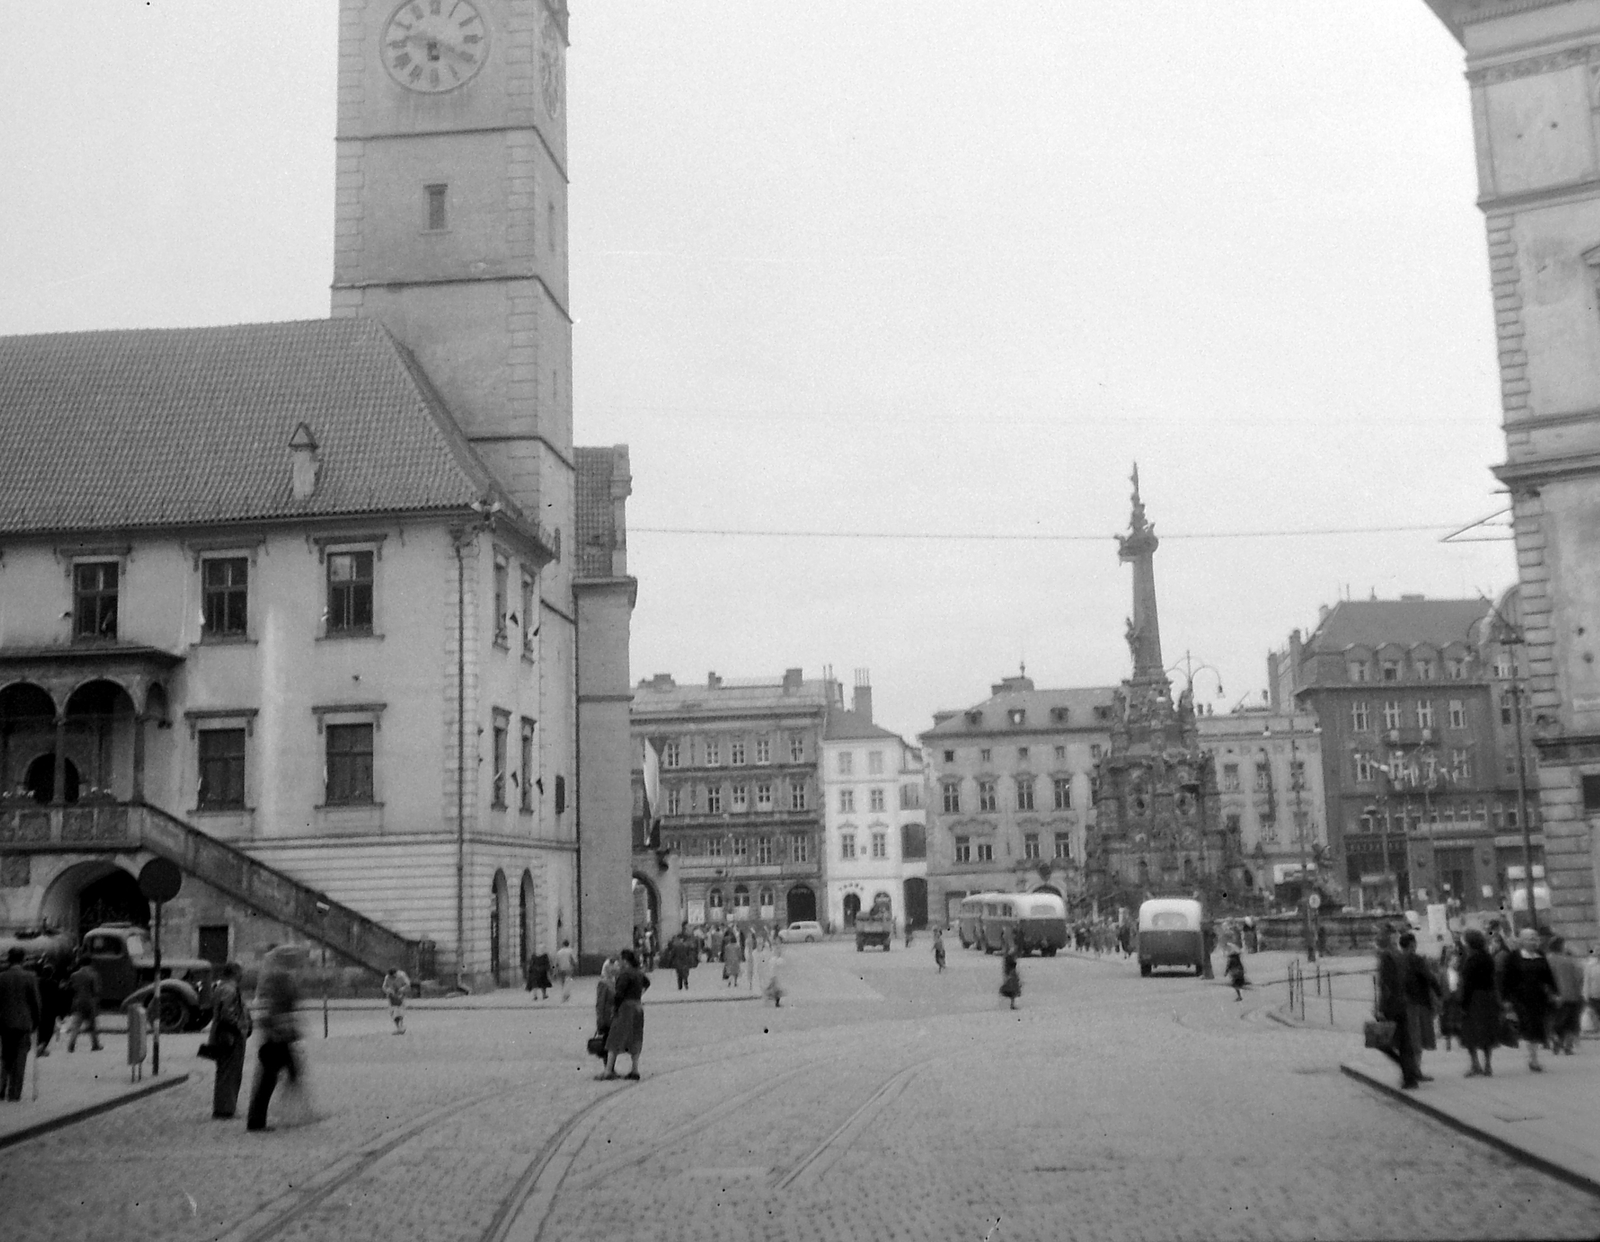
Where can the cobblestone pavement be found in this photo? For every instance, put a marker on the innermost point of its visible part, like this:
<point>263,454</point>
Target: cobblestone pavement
<point>881,1101</point>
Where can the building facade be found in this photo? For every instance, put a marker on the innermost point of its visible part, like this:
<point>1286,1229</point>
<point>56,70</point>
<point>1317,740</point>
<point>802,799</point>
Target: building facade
<point>297,605</point>
<point>1408,694</point>
<point>739,802</point>
<point>1010,792</point>
<point>1532,73</point>
<point>874,833</point>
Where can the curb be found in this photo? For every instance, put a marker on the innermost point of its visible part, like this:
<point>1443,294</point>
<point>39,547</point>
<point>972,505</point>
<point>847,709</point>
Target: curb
<point>92,1110</point>
<point>1545,1164</point>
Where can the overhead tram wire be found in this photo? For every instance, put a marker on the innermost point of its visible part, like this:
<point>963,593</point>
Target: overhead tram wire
<point>980,537</point>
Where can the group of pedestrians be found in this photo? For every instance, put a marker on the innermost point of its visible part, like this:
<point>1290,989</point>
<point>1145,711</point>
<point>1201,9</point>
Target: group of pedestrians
<point>33,1001</point>
<point>1488,990</point>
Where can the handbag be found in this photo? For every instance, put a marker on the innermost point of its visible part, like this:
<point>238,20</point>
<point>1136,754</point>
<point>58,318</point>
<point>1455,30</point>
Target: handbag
<point>1510,1029</point>
<point>1378,1033</point>
<point>597,1046</point>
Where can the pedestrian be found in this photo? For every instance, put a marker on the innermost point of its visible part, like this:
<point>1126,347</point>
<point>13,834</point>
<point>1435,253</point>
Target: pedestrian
<point>1391,1007</point>
<point>278,996</point>
<point>1450,1003</point>
<point>1234,970</point>
<point>396,983</point>
<point>85,985</point>
<point>908,931</point>
<point>938,948</point>
<point>1479,1001</point>
<point>51,1006</point>
<point>627,1023</point>
<point>605,998</point>
<point>1591,988</point>
<point>1568,1012</point>
<point>774,989</point>
<point>20,1009</point>
<point>539,975</point>
<point>230,1033</point>
<point>1421,987</point>
<point>685,956</point>
<point>1011,981</point>
<point>732,960</point>
<point>1529,987</point>
<point>564,968</point>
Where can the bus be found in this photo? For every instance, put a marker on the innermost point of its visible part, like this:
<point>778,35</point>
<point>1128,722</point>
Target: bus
<point>1019,923</point>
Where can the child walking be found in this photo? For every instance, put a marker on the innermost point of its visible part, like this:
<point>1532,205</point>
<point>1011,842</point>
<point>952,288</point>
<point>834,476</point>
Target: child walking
<point>395,986</point>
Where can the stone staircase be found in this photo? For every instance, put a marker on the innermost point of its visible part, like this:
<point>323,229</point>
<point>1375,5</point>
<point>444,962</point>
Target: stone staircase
<point>273,893</point>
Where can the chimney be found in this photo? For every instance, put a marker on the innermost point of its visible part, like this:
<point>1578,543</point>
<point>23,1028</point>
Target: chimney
<point>661,681</point>
<point>713,682</point>
<point>791,680</point>
<point>303,463</point>
<point>861,702</point>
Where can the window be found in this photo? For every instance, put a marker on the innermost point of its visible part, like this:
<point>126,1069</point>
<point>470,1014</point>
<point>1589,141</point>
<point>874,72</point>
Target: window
<point>221,769</point>
<point>674,801</point>
<point>714,847</point>
<point>986,796</point>
<point>741,848</point>
<point>763,795</point>
<point>525,786</point>
<point>1502,667</point>
<point>94,600</point>
<point>1094,750</point>
<point>847,845</point>
<point>764,851</point>
<point>1230,777</point>
<point>963,849</point>
<point>349,760</point>
<point>913,841</point>
<point>530,614</point>
<point>1030,845</point>
<point>949,756</point>
<point>497,796</point>
<point>799,847</point>
<point>434,196</point>
<point>1359,720</point>
<point>763,750</point>
<point>1424,714</point>
<point>847,801</point>
<point>797,795</point>
<point>350,592</point>
<point>797,748</point>
<point>736,752</point>
<point>714,899</point>
<point>985,851</point>
<point>985,755</point>
<point>713,799</point>
<point>1263,776</point>
<point>1062,787</point>
<point>741,897</point>
<point>1357,670</point>
<point>765,897</point>
<point>1391,670</point>
<point>224,587</point>
<point>1061,752</point>
<point>1460,764</point>
<point>502,600</point>
<point>910,797</point>
<point>875,801</point>
<point>694,799</point>
<point>1458,714</point>
<point>874,763</point>
<point>1424,670</point>
<point>670,754</point>
<point>952,797</point>
<point>1456,669</point>
<point>1590,785</point>
<point>1024,793</point>
<point>1297,774</point>
<point>1022,752</point>
<point>880,845</point>
<point>1063,845</point>
<point>846,763</point>
<point>741,799</point>
<point>1391,713</point>
<point>1362,762</point>
<point>713,752</point>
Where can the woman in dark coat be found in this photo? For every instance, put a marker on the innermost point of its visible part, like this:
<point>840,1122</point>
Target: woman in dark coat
<point>1479,1003</point>
<point>539,975</point>
<point>1529,985</point>
<point>230,1032</point>
<point>627,1023</point>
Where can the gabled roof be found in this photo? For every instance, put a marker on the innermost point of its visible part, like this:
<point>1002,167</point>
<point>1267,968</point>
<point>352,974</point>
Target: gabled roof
<point>183,426</point>
<point>847,726</point>
<point>1037,705</point>
<point>1404,622</point>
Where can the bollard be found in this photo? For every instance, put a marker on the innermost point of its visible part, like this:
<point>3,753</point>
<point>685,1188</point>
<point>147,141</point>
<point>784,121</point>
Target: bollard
<point>1319,978</point>
<point>1330,998</point>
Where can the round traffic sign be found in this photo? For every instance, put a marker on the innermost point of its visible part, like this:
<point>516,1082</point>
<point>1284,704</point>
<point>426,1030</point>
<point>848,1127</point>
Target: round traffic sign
<point>160,880</point>
<point>1316,901</point>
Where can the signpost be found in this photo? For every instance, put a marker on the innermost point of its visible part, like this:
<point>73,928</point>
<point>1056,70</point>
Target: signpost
<point>159,881</point>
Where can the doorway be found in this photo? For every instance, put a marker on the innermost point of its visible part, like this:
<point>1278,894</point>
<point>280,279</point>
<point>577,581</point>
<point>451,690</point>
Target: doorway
<point>801,903</point>
<point>852,907</point>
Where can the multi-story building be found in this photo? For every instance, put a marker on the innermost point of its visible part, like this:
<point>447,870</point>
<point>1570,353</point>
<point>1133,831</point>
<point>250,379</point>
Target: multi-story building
<point>1010,796</point>
<point>1420,804</point>
<point>875,842</point>
<point>298,605</point>
<point>740,803</point>
<point>1268,767</point>
<point>1532,69</point>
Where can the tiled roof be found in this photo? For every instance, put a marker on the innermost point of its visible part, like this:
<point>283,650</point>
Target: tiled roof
<point>1080,703</point>
<point>848,726</point>
<point>1403,622</point>
<point>159,427</point>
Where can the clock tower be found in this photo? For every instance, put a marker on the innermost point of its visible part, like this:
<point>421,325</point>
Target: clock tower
<point>451,219</point>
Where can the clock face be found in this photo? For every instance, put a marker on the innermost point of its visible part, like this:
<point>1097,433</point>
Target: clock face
<point>433,46</point>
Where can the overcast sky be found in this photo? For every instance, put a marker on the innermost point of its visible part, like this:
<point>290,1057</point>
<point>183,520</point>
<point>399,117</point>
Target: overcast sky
<point>889,270</point>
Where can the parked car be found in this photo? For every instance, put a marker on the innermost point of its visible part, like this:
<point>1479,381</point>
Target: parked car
<point>122,955</point>
<point>808,930</point>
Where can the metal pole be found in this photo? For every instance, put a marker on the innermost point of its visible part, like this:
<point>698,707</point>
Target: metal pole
<point>155,1037</point>
<point>1295,783</point>
<point>461,758</point>
<point>1522,792</point>
<point>324,987</point>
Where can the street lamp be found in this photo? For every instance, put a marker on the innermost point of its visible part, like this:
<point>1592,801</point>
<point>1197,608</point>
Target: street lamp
<point>1509,635</point>
<point>1190,668</point>
<point>1302,830</point>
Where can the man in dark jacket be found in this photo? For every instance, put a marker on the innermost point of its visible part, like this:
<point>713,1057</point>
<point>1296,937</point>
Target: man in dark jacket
<point>85,986</point>
<point>19,1019</point>
<point>1421,987</point>
<point>1391,1007</point>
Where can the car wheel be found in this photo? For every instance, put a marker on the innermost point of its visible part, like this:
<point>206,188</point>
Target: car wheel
<point>811,940</point>
<point>1144,969</point>
<point>173,1015</point>
<point>1050,952</point>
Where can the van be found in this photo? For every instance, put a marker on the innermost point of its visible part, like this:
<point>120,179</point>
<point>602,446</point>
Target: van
<point>1171,934</point>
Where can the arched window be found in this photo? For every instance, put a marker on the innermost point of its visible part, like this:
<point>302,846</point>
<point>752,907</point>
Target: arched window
<point>766,896</point>
<point>741,898</point>
<point>714,899</point>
